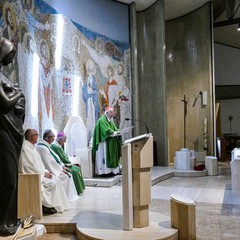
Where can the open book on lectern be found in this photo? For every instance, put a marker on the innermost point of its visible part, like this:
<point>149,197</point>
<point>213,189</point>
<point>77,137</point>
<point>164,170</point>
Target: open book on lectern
<point>134,139</point>
<point>121,131</point>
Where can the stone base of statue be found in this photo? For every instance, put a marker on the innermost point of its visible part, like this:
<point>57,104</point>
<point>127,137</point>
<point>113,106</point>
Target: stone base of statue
<point>9,230</point>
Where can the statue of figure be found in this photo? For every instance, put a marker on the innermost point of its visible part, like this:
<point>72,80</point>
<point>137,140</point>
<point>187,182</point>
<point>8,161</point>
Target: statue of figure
<point>12,111</point>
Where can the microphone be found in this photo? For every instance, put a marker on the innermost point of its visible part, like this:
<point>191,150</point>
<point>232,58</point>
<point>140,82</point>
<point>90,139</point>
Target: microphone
<point>128,119</point>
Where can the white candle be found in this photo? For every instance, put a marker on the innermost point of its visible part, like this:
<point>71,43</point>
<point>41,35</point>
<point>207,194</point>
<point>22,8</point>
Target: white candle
<point>205,121</point>
<point>205,125</point>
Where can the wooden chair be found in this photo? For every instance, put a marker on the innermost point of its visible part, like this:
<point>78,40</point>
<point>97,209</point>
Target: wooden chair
<point>29,196</point>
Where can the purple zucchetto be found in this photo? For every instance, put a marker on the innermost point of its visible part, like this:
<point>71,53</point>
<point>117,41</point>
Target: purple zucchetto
<point>60,135</point>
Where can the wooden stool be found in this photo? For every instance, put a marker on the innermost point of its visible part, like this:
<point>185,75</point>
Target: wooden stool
<point>183,216</point>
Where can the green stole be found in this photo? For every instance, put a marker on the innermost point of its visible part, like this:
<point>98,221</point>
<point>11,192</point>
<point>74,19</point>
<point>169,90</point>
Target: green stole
<point>52,153</point>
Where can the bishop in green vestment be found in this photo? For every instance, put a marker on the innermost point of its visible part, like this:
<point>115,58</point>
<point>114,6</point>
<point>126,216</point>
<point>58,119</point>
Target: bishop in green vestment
<point>106,146</point>
<point>57,147</point>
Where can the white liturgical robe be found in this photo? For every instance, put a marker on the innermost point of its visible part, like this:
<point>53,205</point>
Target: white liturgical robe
<point>56,169</point>
<point>53,193</point>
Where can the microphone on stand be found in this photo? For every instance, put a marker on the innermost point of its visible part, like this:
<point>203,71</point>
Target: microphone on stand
<point>128,119</point>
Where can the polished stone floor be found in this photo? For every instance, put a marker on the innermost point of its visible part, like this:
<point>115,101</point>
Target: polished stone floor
<point>217,207</point>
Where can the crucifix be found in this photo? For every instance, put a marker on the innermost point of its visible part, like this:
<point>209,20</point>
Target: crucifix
<point>230,118</point>
<point>184,119</point>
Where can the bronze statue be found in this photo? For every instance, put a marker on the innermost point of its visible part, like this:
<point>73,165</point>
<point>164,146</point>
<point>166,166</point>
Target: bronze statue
<point>12,112</point>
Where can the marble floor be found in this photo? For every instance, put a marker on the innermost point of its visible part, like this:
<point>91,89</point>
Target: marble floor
<point>217,207</point>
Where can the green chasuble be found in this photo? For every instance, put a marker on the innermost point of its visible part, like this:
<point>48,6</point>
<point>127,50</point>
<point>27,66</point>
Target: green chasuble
<point>102,132</point>
<point>75,170</point>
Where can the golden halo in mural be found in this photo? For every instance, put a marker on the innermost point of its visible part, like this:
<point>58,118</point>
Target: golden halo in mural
<point>110,68</point>
<point>10,16</point>
<point>76,43</point>
<point>91,66</point>
<point>44,50</point>
<point>120,69</point>
<point>99,45</point>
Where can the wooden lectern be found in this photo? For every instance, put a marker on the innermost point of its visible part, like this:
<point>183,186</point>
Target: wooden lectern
<point>137,160</point>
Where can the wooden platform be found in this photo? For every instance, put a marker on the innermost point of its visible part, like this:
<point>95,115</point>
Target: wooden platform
<point>98,213</point>
<point>108,226</point>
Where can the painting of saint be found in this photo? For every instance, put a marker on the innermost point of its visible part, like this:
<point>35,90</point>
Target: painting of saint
<point>99,46</point>
<point>46,72</point>
<point>110,91</point>
<point>90,97</point>
<point>28,77</point>
<point>76,44</point>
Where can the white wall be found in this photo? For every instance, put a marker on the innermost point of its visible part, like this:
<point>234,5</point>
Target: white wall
<point>230,107</point>
<point>227,70</point>
<point>106,17</point>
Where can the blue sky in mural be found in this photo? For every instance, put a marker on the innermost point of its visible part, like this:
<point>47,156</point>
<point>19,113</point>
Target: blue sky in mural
<point>44,7</point>
<point>92,36</point>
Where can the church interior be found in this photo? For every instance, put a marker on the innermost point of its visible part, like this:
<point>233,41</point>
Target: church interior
<point>169,69</point>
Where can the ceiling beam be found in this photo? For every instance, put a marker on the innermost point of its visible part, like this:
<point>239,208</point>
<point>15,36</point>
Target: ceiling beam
<point>227,22</point>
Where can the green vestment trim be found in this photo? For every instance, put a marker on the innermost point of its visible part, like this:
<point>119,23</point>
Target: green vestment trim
<point>75,170</point>
<point>54,156</point>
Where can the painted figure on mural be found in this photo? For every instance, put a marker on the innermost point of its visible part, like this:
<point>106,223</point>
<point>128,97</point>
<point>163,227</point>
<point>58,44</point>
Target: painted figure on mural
<point>110,91</point>
<point>33,23</point>
<point>99,46</point>
<point>76,44</point>
<point>117,108</point>
<point>25,13</point>
<point>125,108</point>
<point>90,97</point>
<point>10,32</point>
<point>28,4</point>
<point>46,99</point>
<point>12,112</point>
<point>124,94</point>
<point>28,79</point>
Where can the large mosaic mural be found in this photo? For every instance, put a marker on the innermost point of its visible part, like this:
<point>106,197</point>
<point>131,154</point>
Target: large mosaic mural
<point>63,68</point>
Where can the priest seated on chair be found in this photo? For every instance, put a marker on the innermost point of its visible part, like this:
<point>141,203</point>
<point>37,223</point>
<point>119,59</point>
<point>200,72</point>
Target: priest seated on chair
<point>51,163</point>
<point>57,147</point>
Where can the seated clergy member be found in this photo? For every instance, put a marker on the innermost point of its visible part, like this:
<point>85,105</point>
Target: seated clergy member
<point>48,158</point>
<point>57,147</point>
<point>53,193</point>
